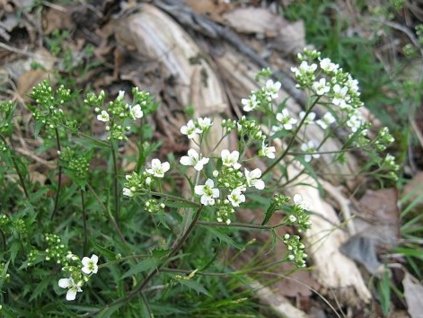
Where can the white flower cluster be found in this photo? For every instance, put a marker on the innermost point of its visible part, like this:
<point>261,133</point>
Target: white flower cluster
<point>134,110</point>
<point>198,127</point>
<point>88,268</point>
<point>264,96</point>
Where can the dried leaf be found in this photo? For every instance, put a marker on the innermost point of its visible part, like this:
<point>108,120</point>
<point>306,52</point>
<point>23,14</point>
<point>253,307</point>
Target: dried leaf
<point>413,293</point>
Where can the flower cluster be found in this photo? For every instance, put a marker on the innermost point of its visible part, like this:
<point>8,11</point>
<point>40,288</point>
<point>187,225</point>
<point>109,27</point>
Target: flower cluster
<point>119,115</point>
<point>76,164</point>
<point>6,115</point>
<point>78,274</point>
<point>48,111</point>
<point>262,98</point>
<point>196,127</point>
<point>138,182</point>
<point>295,248</point>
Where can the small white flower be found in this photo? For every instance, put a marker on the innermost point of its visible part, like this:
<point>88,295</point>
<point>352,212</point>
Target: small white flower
<point>321,87</point>
<point>354,122</point>
<point>253,179</point>
<point>236,197</point>
<point>249,104</point>
<point>204,123</point>
<point>326,121</point>
<point>136,111</point>
<point>310,117</point>
<point>230,159</point>
<point>71,286</point>
<point>194,159</point>
<point>287,122</point>
<point>327,66</point>
<point>190,129</point>
<point>340,96</point>
<point>268,152</point>
<point>309,148</point>
<point>207,192</point>
<point>158,169</point>
<point>89,265</point>
<point>103,116</point>
<point>121,95</point>
<point>272,89</point>
<point>298,200</point>
<point>127,192</point>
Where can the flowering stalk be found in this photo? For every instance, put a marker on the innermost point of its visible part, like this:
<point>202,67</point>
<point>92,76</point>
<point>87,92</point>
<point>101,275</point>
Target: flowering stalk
<point>84,220</point>
<point>115,183</point>
<point>19,173</point>
<point>292,140</point>
<point>59,181</point>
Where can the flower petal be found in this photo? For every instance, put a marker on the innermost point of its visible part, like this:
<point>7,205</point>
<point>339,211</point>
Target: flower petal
<point>71,294</point>
<point>64,282</point>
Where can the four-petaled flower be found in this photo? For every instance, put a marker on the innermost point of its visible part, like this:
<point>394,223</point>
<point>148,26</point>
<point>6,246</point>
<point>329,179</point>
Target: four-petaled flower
<point>310,151</point>
<point>103,116</point>
<point>208,192</point>
<point>249,104</point>
<point>326,121</point>
<point>236,197</point>
<point>267,151</point>
<point>272,89</point>
<point>190,129</point>
<point>89,265</point>
<point>72,287</point>
<point>204,123</point>
<point>194,159</point>
<point>285,119</point>
<point>158,169</point>
<point>230,159</point>
<point>321,87</point>
<point>253,179</point>
<point>127,192</point>
<point>136,111</point>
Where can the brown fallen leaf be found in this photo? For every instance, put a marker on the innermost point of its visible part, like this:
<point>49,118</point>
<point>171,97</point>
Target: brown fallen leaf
<point>413,293</point>
<point>212,8</point>
<point>55,19</point>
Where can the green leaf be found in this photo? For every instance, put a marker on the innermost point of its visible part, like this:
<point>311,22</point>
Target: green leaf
<point>142,266</point>
<point>269,212</point>
<point>192,284</point>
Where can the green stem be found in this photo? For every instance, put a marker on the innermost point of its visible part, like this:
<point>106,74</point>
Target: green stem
<point>292,140</point>
<point>84,220</point>
<point>59,181</point>
<point>16,166</point>
<point>115,183</point>
<point>175,249</point>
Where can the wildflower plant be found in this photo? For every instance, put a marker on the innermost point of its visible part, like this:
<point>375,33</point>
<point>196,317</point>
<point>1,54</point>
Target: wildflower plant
<point>87,241</point>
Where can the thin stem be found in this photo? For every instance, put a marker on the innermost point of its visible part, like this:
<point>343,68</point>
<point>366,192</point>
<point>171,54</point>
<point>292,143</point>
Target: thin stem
<point>175,249</point>
<point>84,221</point>
<point>59,181</point>
<point>242,225</point>
<point>115,183</point>
<point>292,140</point>
<point>15,165</point>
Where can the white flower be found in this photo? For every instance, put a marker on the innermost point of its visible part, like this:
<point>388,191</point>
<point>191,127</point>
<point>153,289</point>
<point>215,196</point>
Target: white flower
<point>204,123</point>
<point>194,159</point>
<point>136,111</point>
<point>298,200</point>
<point>268,152</point>
<point>353,85</point>
<point>309,148</point>
<point>253,179</point>
<point>71,286</point>
<point>326,121</point>
<point>127,192</point>
<point>190,130</point>
<point>272,89</point>
<point>287,122</point>
<point>103,116</point>
<point>121,95</point>
<point>89,265</point>
<point>320,87</point>
<point>158,169</point>
<point>207,192</point>
<point>340,96</point>
<point>310,117</point>
<point>249,104</point>
<point>304,69</point>
<point>236,197</point>
<point>327,66</point>
<point>230,159</point>
<point>354,122</point>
